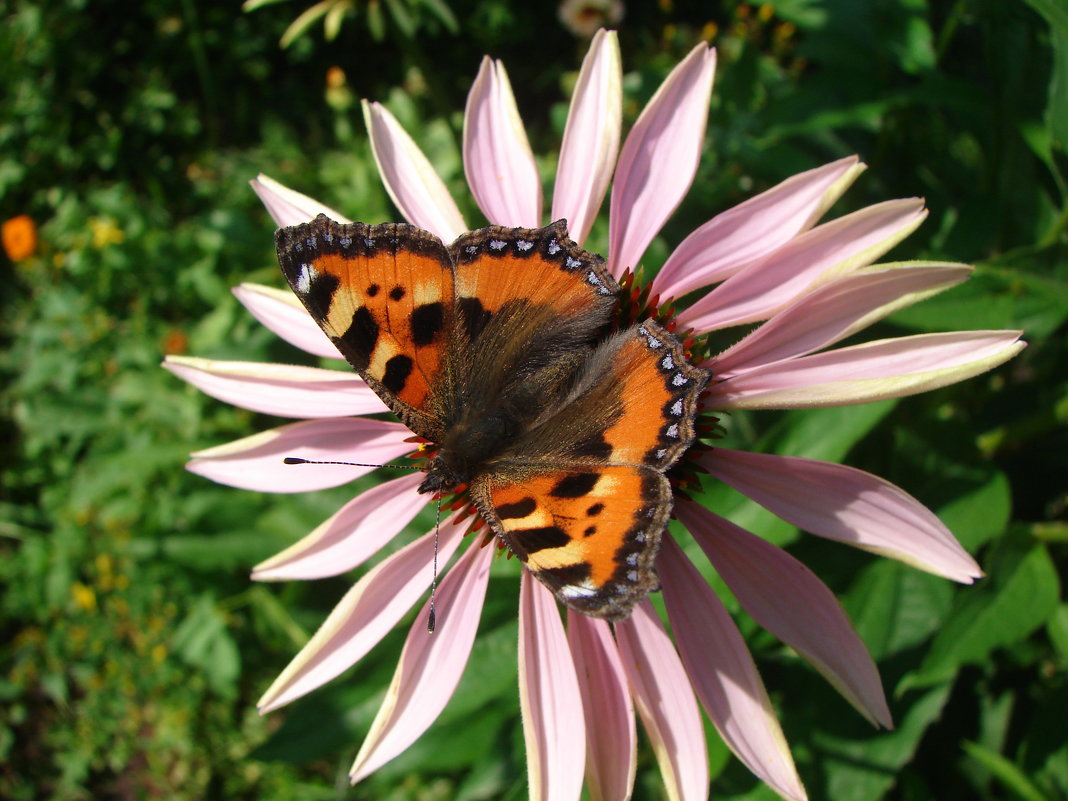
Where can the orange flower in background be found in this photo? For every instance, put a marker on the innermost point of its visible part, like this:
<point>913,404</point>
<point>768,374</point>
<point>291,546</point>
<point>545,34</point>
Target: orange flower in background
<point>20,237</point>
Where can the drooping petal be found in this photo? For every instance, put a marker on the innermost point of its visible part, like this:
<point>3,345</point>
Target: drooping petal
<point>591,137</point>
<point>350,536</point>
<point>288,207</point>
<point>285,390</point>
<point>255,462</point>
<point>787,599</point>
<point>281,312</point>
<point>549,698</point>
<point>364,616</point>
<point>872,371</point>
<point>430,665</point>
<point>836,310</point>
<point>497,157</point>
<point>723,674</point>
<point>666,703</point>
<point>611,739</point>
<point>409,178</point>
<point>845,504</point>
<point>753,229</point>
<point>659,158</point>
<point>825,252</point>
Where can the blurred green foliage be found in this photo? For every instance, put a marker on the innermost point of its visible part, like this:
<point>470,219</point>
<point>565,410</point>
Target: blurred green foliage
<point>134,645</point>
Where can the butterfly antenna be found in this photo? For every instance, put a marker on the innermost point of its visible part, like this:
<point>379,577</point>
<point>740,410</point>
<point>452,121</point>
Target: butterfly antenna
<point>432,618</point>
<point>298,460</point>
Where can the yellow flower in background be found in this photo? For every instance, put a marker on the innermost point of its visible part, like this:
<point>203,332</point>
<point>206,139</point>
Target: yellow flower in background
<point>105,232</point>
<point>20,237</point>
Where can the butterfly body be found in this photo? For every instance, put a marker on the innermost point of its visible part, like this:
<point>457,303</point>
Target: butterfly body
<point>498,349</point>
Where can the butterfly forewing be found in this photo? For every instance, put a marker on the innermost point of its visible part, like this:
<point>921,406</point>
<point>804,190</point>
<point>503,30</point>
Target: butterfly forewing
<point>384,296</point>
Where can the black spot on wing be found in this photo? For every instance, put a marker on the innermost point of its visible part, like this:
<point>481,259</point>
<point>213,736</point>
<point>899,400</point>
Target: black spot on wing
<point>473,316</point>
<point>396,293</point>
<point>360,338</point>
<point>595,510</point>
<point>426,321</point>
<point>518,509</point>
<point>532,540</point>
<point>398,369</point>
<point>574,485</point>
<point>372,290</point>
<point>565,576</point>
<point>593,447</point>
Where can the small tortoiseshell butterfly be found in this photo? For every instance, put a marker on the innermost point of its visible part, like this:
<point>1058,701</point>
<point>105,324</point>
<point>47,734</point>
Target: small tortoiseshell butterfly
<point>499,349</point>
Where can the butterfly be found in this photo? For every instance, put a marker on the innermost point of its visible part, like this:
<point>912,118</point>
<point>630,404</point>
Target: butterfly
<point>500,350</point>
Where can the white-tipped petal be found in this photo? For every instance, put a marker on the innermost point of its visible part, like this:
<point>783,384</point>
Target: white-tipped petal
<point>288,207</point>
<point>498,161</point>
<point>872,371</point>
<point>409,178</point>
<point>285,390</point>
<point>787,599</point>
<point>281,312</point>
<point>666,703</point>
<point>836,310</point>
<point>591,137</point>
<point>845,504</point>
<point>431,665</point>
<point>659,159</point>
<point>352,535</point>
<point>611,739</point>
<point>751,230</point>
<point>816,256</point>
<point>549,698</point>
<point>256,462</point>
<point>723,674</point>
<point>373,606</point>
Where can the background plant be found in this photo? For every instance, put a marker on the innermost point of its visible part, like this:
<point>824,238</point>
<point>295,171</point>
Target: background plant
<point>133,643</point>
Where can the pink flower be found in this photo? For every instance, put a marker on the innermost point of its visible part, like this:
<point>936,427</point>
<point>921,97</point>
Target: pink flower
<point>808,285</point>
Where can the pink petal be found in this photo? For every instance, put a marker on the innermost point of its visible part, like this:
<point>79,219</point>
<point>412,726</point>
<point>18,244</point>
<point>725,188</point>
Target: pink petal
<point>431,665</point>
<point>659,159</point>
<point>666,703</point>
<point>285,390</point>
<point>497,158</point>
<point>827,251</point>
<point>845,504</point>
<point>288,207</point>
<point>723,674</point>
<point>281,312</point>
<point>373,606</point>
<point>834,311</point>
<point>255,462</point>
<point>888,368</point>
<point>549,698</point>
<point>591,137</point>
<point>354,534</point>
<point>409,177</point>
<point>787,599</point>
<point>753,229</point>
<point>611,740</point>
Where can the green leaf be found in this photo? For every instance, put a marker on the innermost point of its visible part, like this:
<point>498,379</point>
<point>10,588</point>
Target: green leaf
<point>1057,629</point>
<point>1005,771</point>
<point>1019,596</point>
<point>860,769</point>
<point>895,607</point>
<point>203,641</point>
<point>978,516</point>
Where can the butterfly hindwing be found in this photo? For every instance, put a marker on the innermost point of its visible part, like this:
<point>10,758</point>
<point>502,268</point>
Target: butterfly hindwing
<point>583,503</point>
<point>384,294</point>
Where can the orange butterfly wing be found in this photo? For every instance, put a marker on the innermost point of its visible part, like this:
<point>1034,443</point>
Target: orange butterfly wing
<point>384,294</point>
<point>587,515</point>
